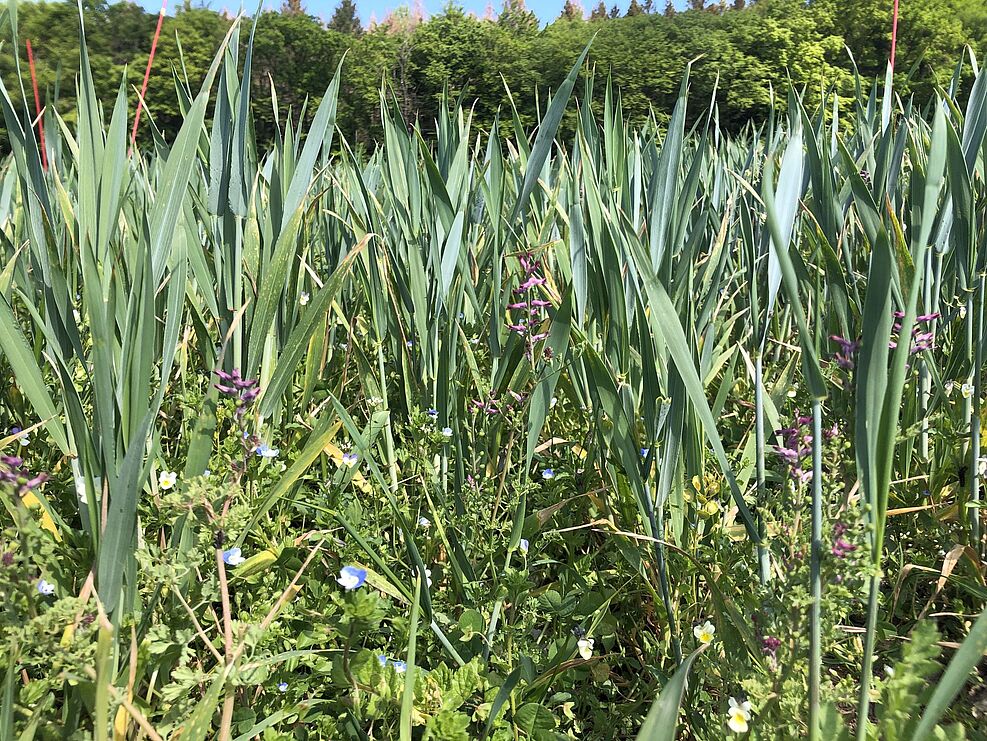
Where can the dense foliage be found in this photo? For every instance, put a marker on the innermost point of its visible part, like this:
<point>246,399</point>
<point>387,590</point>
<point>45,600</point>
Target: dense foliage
<point>744,55</point>
<point>506,434</point>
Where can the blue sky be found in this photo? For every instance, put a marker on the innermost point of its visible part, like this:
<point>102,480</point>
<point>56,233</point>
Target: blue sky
<point>546,10</point>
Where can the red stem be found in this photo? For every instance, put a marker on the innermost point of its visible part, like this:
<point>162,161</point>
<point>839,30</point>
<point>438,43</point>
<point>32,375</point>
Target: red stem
<point>37,105</point>
<point>894,33</point>
<point>147,75</point>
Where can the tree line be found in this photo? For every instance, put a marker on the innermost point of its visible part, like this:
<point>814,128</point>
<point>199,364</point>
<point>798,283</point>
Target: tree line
<point>743,52</point>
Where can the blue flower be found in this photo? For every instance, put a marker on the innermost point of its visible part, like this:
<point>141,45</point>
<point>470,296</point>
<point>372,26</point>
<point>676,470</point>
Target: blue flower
<point>266,451</point>
<point>350,459</point>
<point>547,473</point>
<point>446,432</point>
<point>46,588</point>
<point>381,659</point>
<point>523,545</point>
<point>432,413</point>
<point>644,452</point>
<point>282,686</point>
<point>351,577</point>
<point>399,666</point>
<point>233,557</point>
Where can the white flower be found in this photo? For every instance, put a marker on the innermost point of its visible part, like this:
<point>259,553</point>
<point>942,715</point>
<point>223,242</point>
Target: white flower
<point>46,588</point>
<point>705,632</point>
<point>167,480</point>
<point>350,459</point>
<point>967,390</point>
<point>982,466</point>
<point>585,647</point>
<point>446,432</point>
<point>523,545</point>
<point>375,401</point>
<point>80,490</point>
<point>424,523</point>
<point>889,670</point>
<point>303,299</point>
<point>553,402</point>
<point>739,714</point>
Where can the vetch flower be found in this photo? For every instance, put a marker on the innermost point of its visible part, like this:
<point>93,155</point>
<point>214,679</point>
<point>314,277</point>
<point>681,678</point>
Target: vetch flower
<point>351,577</point>
<point>24,440</point>
<point>585,646</point>
<point>350,459</point>
<point>303,298</point>
<point>739,715</point>
<point>167,480</point>
<point>233,557</point>
<point>705,632</point>
<point>266,451</point>
<point>446,432</point>
<point>46,588</point>
<point>283,686</point>
<point>547,473</point>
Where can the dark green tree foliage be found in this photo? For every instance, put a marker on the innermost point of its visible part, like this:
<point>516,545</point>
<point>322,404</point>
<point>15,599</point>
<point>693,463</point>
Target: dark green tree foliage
<point>745,54</point>
<point>345,20</point>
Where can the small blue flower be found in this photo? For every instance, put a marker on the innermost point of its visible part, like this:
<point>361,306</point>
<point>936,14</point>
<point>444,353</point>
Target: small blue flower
<point>282,686</point>
<point>399,666</point>
<point>350,459</point>
<point>233,557</point>
<point>446,432</point>
<point>351,577</point>
<point>381,659</point>
<point>523,545</point>
<point>547,473</point>
<point>46,588</point>
<point>409,343</point>
<point>644,452</point>
<point>433,413</point>
<point>266,451</point>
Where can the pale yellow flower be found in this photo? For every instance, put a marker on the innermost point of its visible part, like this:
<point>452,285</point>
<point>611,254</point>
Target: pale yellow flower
<point>704,633</point>
<point>739,716</point>
<point>585,647</point>
<point>167,479</point>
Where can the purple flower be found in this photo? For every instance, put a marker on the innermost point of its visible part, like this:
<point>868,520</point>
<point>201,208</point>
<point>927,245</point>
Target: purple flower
<point>770,645</point>
<point>842,548</point>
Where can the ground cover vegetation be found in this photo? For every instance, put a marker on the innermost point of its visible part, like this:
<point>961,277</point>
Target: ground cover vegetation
<point>572,428</point>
